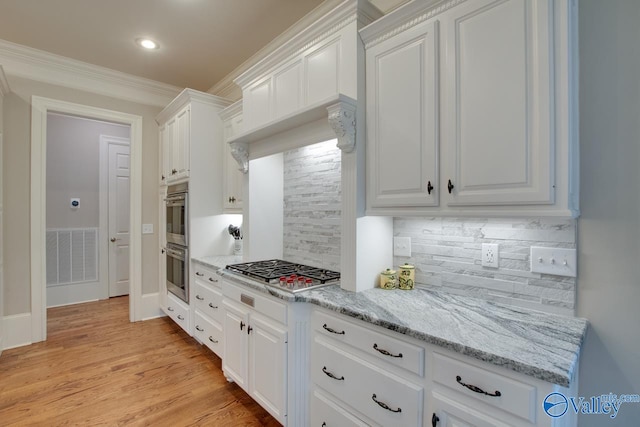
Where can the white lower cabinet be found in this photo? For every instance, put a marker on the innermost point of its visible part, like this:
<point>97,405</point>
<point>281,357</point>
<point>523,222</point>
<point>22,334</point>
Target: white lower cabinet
<point>208,317</point>
<point>367,375</point>
<point>255,352</point>
<point>178,311</point>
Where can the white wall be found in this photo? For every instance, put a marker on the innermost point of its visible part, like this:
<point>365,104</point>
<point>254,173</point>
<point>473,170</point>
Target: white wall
<point>73,155</point>
<point>609,228</point>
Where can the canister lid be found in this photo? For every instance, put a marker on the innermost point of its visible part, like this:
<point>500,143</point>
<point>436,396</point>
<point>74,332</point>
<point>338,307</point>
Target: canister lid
<point>407,266</point>
<point>389,272</point>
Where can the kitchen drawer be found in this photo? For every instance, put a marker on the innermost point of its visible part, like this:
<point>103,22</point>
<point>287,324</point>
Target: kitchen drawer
<point>206,274</point>
<point>325,412</point>
<point>263,305</point>
<point>208,332</point>
<point>208,300</point>
<point>516,397</point>
<point>178,311</point>
<point>391,350</point>
<point>384,397</point>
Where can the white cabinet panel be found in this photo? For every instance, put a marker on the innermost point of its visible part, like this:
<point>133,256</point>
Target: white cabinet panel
<point>182,144</point>
<point>449,413</point>
<point>402,129</point>
<point>325,412</point>
<point>235,353</point>
<point>498,103</point>
<point>287,89</point>
<point>268,362</point>
<point>322,72</point>
<point>257,108</point>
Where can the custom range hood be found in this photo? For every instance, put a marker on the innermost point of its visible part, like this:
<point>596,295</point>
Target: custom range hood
<point>309,90</point>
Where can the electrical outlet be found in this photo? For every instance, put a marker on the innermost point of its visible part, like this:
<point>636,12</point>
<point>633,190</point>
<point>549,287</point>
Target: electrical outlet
<point>147,228</point>
<point>490,255</point>
<point>556,261</point>
<point>402,246</point>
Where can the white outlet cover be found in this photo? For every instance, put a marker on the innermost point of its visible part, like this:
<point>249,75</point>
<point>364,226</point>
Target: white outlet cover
<point>402,246</point>
<point>490,255</point>
<point>556,261</point>
<point>147,228</point>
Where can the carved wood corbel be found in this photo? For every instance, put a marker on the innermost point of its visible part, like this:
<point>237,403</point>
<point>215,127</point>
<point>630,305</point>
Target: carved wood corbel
<point>342,118</point>
<point>240,152</point>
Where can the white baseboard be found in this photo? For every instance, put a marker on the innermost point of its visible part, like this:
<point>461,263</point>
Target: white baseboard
<point>151,306</point>
<point>17,330</point>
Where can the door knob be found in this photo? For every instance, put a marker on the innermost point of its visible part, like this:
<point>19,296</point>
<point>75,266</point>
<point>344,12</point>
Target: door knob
<point>113,239</point>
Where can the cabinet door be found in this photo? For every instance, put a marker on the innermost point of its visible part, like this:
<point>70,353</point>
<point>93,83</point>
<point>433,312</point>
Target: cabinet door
<point>182,143</point>
<point>498,103</point>
<point>257,104</point>
<point>267,365</point>
<point>322,72</point>
<point>234,359</point>
<point>450,413</point>
<point>164,154</point>
<point>233,183</point>
<point>168,152</point>
<point>402,127</point>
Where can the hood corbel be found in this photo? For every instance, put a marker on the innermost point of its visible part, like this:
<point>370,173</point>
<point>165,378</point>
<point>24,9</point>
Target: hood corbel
<point>342,118</point>
<point>240,152</point>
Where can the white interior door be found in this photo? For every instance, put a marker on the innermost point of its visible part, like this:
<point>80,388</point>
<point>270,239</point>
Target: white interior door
<point>118,220</point>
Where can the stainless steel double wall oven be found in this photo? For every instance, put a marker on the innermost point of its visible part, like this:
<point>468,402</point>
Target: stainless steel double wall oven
<point>177,232</point>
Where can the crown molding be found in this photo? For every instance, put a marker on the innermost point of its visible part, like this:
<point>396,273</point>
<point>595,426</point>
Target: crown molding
<point>231,111</point>
<point>406,16</point>
<point>4,84</point>
<point>228,89</point>
<point>38,65</point>
<point>188,96</point>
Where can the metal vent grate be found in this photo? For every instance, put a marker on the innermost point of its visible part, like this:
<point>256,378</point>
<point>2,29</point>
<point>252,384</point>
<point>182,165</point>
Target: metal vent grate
<point>72,256</point>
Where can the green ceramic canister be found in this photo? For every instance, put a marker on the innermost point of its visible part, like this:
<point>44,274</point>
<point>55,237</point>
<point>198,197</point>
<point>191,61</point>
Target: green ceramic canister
<point>388,279</point>
<point>407,276</point>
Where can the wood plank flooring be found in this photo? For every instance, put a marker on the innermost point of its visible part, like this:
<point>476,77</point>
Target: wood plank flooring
<point>96,368</point>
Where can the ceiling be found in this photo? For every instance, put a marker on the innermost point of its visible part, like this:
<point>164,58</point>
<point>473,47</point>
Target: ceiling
<point>201,41</point>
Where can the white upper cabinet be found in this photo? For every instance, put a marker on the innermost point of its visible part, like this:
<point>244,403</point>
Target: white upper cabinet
<point>233,178</point>
<point>470,109</point>
<point>498,103</point>
<point>402,128</point>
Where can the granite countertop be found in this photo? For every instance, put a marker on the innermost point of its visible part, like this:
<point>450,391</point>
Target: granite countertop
<point>541,345</point>
<point>218,261</point>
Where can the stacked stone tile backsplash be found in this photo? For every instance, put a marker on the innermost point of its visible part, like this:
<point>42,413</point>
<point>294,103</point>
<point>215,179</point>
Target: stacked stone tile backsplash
<point>312,205</point>
<point>447,255</point>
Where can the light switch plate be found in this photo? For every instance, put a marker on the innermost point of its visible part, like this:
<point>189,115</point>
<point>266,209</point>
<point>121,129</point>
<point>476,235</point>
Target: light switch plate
<point>402,246</point>
<point>147,228</point>
<point>556,261</point>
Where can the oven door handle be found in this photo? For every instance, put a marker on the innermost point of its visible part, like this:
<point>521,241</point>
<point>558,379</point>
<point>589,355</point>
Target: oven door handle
<point>176,198</point>
<point>175,254</point>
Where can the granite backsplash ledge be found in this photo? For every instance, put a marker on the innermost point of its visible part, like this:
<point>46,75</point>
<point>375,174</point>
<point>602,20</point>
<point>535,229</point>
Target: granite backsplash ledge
<point>447,255</point>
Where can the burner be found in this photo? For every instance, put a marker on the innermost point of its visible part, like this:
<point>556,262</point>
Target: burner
<point>270,271</point>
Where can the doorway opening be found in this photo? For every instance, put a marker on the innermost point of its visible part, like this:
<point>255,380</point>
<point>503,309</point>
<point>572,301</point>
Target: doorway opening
<point>87,248</point>
<point>41,107</point>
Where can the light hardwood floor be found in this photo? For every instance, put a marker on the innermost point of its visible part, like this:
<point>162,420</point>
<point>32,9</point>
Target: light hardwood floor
<point>96,368</point>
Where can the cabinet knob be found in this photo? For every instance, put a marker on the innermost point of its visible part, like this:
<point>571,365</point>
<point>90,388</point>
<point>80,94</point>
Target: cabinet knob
<point>241,325</point>
<point>174,171</point>
<point>162,177</point>
<point>434,420</point>
<point>429,187</point>
<point>450,186</point>
<point>249,329</point>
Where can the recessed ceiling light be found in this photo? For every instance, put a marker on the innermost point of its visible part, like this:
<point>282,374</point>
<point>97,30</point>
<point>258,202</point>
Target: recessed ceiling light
<point>147,44</point>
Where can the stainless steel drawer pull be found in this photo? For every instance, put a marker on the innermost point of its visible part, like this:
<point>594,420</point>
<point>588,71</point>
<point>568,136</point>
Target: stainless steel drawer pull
<point>180,317</point>
<point>385,352</point>
<point>476,388</point>
<point>212,340</point>
<point>211,279</point>
<point>198,297</point>
<point>199,329</point>
<point>212,306</point>
<point>333,331</point>
<point>384,405</point>
<point>330,375</point>
<point>199,274</point>
<point>169,308</point>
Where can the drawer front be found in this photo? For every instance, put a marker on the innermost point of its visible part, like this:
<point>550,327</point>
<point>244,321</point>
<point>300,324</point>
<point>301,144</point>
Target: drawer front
<point>263,305</point>
<point>208,300</point>
<point>325,412</point>
<point>207,275</point>
<point>178,311</point>
<point>515,397</point>
<point>391,350</point>
<point>208,332</point>
<point>384,397</point>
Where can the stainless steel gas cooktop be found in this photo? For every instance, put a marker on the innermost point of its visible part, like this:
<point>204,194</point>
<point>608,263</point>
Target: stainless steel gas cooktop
<point>285,275</point>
